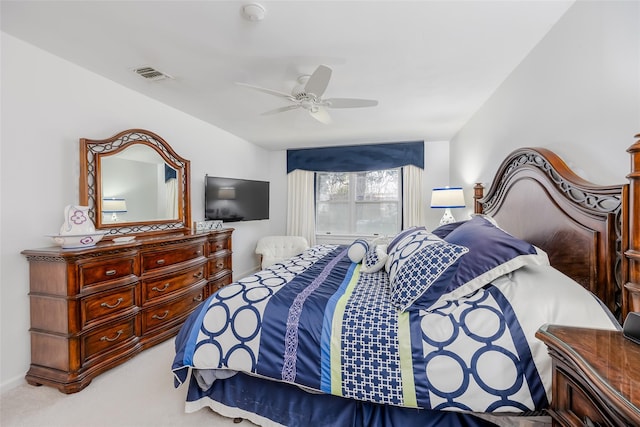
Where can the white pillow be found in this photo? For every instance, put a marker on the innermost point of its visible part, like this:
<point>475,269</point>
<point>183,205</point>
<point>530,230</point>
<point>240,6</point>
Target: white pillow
<point>357,250</point>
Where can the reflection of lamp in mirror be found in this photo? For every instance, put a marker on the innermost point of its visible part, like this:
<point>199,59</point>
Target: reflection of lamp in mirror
<point>114,206</point>
<point>447,198</point>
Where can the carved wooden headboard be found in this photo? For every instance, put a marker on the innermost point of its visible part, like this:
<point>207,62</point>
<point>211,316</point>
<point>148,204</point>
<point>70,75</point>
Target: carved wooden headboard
<point>536,197</point>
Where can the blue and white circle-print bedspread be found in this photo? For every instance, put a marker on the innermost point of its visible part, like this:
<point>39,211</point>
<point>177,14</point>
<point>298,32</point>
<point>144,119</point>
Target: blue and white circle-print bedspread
<point>315,321</point>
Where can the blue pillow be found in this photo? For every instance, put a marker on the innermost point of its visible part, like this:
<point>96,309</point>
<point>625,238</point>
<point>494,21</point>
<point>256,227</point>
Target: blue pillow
<point>492,253</point>
<point>444,230</point>
<point>421,277</point>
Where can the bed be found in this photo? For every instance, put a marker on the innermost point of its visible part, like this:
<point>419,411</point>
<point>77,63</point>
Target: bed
<point>429,327</point>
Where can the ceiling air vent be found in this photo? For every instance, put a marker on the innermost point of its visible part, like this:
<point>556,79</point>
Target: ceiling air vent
<point>149,73</point>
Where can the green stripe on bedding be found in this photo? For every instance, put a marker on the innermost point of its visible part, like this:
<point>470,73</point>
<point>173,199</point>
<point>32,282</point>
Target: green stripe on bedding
<point>406,364</point>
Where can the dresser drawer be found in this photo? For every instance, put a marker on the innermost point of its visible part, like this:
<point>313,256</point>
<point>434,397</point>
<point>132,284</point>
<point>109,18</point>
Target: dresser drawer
<point>219,283</point>
<point>163,287</point>
<point>218,245</point>
<point>95,273</point>
<point>105,304</point>
<point>219,264</point>
<point>164,314</point>
<point>109,337</point>
<point>171,255</point>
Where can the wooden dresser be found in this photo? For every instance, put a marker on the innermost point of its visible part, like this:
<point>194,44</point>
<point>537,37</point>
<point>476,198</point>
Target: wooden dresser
<point>596,377</point>
<point>219,259</point>
<point>94,308</point>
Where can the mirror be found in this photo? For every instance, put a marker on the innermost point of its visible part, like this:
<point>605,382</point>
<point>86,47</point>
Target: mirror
<point>134,183</point>
<point>137,185</point>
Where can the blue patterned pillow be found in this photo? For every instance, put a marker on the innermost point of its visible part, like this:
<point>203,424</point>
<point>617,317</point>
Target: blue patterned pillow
<point>357,250</point>
<point>375,259</point>
<point>411,241</point>
<point>401,235</point>
<point>420,278</point>
<point>492,253</point>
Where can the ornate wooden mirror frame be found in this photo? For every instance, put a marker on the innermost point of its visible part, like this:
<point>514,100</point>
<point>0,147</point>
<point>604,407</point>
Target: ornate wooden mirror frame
<point>92,152</point>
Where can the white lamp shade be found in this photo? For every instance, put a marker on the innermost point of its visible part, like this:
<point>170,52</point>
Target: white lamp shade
<point>114,205</point>
<point>447,197</point>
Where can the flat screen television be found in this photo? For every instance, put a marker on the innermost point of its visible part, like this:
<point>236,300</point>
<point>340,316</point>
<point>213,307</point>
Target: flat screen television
<point>230,199</point>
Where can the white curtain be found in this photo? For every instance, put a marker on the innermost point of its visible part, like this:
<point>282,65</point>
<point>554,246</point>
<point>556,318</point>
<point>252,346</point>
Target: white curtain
<point>300,205</point>
<point>412,196</point>
<point>172,198</point>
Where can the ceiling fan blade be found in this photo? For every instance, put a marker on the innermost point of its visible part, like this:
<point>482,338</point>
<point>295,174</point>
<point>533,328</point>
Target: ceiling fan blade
<point>321,114</point>
<point>349,102</point>
<point>318,81</point>
<point>269,91</point>
<point>280,110</point>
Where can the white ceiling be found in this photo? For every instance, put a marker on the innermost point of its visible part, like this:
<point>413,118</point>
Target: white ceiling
<point>430,64</point>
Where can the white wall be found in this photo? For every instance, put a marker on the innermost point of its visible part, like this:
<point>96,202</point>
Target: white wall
<point>577,93</point>
<point>47,105</point>
<point>436,166</point>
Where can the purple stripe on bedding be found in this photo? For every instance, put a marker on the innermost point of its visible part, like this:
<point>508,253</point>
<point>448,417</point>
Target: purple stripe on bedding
<point>293,319</point>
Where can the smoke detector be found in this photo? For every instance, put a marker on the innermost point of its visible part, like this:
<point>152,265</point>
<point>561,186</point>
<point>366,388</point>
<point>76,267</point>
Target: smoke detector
<point>253,12</point>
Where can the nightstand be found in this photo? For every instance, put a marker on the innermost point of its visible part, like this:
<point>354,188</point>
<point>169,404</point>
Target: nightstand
<point>596,377</point>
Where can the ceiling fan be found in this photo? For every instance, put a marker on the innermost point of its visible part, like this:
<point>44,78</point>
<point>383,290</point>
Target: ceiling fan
<point>308,95</point>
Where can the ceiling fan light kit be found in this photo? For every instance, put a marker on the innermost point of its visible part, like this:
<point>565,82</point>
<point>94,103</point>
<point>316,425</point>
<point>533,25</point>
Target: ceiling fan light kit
<point>253,12</point>
<point>308,95</point>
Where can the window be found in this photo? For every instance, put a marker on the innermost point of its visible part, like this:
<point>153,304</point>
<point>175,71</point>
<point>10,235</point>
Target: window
<point>359,203</point>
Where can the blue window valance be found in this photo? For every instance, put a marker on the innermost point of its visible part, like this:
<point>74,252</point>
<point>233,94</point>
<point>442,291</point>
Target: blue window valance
<point>357,158</point>
<point>169,173</point>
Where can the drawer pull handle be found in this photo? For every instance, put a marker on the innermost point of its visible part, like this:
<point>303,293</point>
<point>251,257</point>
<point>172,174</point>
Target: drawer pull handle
<point>219,246</point>
<point>162,289</point>
<point>219,264</point>
<point>198,274</point>
<point>110,272</point>
<point>104,304</point>
<point>198,252</point>
<point>198,298</point>
<point>161,316</point>
<point>160,262</point>
<point>104,338</point>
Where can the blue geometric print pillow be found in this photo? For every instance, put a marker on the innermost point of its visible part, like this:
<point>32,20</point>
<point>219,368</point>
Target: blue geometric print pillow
<point>405,244</point>
<point>492,253</point>
<point>422,277</point>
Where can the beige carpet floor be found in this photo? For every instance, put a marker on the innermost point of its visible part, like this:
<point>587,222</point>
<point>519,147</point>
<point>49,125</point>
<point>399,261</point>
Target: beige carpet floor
<point>136,394</point>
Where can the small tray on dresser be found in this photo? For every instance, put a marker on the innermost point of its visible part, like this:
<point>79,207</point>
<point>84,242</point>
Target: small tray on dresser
<point>596,376</point>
